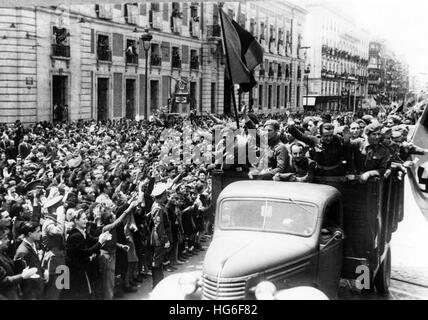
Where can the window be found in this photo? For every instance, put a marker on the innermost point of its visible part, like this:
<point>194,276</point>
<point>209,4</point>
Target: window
<point>176,60</point>
<point>194,59</point>
<point>298,97</point>
<point>131,53</point>
<point>155,57</point>
<point>61,43</point>
<point>285,95</point>
<point>278,97</point>
<point>270,97</point>
<point>131,13</point>
<point>104,11</point>
<point>213,95</point>
<point>176,18</point>
<point>194,26</point>
<point>103,48</point>
<point>260,92</point>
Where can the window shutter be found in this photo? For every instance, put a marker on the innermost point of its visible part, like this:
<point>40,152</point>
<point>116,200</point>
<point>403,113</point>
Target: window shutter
<point>92,41</point>
<point>165,89</point>
<point>185,54</point>
<point>185,13</point>
<point>117,45</point>
<point>165,12</point>
<point>117,100</point>
<point>143,9</point>
<point>166,56</point>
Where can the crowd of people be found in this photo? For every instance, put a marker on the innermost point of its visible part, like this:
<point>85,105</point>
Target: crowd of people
<point>89,210</point>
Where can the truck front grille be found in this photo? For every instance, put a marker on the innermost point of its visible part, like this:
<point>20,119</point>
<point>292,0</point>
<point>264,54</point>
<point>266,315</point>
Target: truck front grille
<point>222,289</point>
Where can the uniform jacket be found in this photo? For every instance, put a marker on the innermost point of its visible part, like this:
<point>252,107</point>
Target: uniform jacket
<point>159,235</point>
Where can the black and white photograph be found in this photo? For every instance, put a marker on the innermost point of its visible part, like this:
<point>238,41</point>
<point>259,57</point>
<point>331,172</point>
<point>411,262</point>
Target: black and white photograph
<point>237,150</point>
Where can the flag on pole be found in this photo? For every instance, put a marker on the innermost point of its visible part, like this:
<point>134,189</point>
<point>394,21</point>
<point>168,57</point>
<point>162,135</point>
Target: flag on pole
<point>244,53</point>
<point>418,174</point>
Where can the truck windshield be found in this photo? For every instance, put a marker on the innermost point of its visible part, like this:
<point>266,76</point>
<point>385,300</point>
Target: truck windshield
<point>268,215</point>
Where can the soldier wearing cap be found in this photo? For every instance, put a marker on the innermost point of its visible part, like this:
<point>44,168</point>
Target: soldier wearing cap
<point>372,158</point>
<point>53,239</point>
<point>159,236</point>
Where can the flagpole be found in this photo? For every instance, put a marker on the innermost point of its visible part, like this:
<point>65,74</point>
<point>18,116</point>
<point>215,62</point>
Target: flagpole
<point>220,5</point>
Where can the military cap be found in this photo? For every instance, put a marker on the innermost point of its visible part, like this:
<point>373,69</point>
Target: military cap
<point>367,118</point>
<point>159,189</point>
<point>373,127</point>
<point>386,130</point>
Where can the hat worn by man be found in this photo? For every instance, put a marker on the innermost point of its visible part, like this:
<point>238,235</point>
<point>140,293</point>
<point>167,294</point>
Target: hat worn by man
<point>159,189</point>
<point>50,203</point>
<point>373,127</point>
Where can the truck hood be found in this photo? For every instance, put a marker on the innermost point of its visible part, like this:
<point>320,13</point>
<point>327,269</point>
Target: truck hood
<point>249,253</point>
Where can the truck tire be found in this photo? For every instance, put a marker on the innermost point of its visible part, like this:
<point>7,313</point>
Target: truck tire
<point>383,276</point>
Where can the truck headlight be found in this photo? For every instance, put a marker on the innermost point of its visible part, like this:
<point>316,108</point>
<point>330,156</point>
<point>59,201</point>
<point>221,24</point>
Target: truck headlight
<point>188,284</point>
<point>265,290</point>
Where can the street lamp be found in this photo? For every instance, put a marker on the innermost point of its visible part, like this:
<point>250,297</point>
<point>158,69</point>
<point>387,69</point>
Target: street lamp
<point>146,37</point>
<point>307,72</point>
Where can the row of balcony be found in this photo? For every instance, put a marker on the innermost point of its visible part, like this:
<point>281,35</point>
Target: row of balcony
<point>271,73</point>
<point>342,54</point>
<point>343,75</point>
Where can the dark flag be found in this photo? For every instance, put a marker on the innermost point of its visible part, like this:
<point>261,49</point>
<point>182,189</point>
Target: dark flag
<point>418,175</point>
<point>244,53</point>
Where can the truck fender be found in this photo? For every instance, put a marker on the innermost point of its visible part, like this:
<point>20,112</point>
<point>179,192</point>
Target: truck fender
<point>169,288</point>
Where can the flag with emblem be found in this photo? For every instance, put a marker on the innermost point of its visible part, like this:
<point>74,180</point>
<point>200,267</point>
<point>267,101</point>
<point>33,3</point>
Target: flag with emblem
<point>243,51</point>
<point>418,175</point>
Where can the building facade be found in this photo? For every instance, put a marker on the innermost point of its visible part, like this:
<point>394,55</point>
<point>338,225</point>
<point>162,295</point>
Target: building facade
<point>388,74</point>
<point>337,59</point>
<point>91,58</point>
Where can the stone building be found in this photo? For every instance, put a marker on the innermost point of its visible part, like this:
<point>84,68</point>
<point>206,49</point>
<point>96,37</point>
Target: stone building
<point>91,58</point>
<point>337,59</point>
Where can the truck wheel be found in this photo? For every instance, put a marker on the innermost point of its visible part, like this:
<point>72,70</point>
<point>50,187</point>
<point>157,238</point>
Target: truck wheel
<point>383,276</point>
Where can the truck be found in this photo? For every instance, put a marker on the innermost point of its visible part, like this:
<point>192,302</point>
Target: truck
<point>276,236</point>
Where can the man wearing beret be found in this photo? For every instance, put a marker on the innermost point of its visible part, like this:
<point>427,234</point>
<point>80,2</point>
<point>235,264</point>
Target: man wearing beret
<point>372,158</point>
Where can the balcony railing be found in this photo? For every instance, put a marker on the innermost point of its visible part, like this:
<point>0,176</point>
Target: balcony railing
<point>104,54</point>
<point>176,63</point>
<point>155,60</point>
<point>132,58</point>
<point>60,51</point>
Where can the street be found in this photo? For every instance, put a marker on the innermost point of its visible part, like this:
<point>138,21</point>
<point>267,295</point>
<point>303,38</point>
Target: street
<point>409,276</point>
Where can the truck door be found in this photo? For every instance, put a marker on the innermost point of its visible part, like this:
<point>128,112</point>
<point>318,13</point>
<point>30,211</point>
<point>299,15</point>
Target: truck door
<point>331,250</point>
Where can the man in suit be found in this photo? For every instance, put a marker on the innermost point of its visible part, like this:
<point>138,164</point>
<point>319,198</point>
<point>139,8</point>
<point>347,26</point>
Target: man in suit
<point>32,289</point>
<point>81,252</point>
<point>24,148</point>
